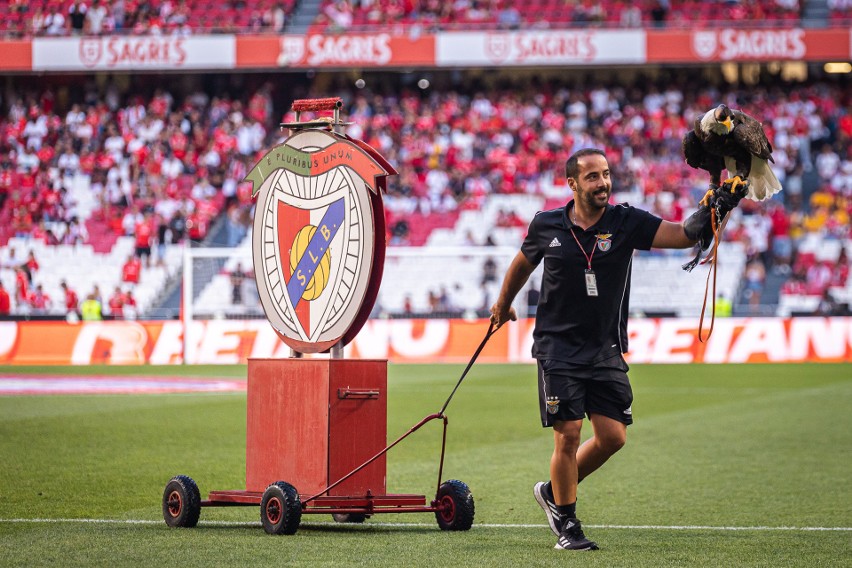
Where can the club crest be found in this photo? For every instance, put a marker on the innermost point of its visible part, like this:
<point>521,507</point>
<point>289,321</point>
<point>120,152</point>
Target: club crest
<point>318,240</point>
<point>604,241</point>
<point>552,405</point>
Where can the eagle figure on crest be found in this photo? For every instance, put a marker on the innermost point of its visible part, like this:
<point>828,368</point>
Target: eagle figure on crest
<point>728,139</point>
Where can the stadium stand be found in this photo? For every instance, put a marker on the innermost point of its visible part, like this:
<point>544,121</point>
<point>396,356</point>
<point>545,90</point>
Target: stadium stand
<point>339,15</point>
<point>466,162</point>
<point>180,17</point>
<point>97,17</point>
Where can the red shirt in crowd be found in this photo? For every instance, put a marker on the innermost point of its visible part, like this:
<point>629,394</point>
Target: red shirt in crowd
<point>70,300</point>
<point>39,300</point>
<point>116,304</point>
<point>143,233</point>
<point>5,302</point>
<point>22,285</point>
<point>131,270</point>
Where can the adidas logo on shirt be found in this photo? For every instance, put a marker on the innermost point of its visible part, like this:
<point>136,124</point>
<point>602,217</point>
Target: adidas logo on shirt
<point>555,243</point>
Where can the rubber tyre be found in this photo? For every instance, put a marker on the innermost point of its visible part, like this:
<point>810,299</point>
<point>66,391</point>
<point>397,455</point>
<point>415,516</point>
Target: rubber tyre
<point>456,506</point>
<point>280,509</point>
<point>349,517</point>
<point>181,502</point>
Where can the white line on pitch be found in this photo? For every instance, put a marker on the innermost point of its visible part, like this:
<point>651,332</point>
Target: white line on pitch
<point>419,525</point>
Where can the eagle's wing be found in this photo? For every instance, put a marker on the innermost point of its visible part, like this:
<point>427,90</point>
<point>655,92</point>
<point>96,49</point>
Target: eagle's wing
<point>749,134</point>
<point>697,157</point>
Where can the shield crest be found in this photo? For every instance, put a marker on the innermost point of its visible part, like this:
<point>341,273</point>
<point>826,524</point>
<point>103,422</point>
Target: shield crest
<point>498,46</point>
<point>315,247</point>
<point>704,44</point>
<point>90,51</point>
<point>604,242</point>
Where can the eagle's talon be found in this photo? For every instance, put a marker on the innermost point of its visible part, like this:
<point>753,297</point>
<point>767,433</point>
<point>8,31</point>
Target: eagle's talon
<point>735,182</point>
<point>707,196</point>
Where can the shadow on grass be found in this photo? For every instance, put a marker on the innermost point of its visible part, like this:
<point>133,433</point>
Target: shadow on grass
<point>327,528</point>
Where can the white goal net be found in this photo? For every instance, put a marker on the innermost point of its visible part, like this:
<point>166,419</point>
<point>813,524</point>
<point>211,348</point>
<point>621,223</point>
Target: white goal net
<point>416,282</point>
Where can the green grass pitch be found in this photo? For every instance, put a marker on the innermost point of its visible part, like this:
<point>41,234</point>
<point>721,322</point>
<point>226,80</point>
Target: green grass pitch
<point>726,465</point>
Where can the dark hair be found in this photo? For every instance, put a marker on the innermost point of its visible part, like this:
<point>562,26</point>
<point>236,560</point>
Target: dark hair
<point>572,167</point>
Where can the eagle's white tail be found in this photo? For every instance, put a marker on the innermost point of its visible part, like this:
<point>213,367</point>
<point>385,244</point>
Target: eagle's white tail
<point>762,181</point>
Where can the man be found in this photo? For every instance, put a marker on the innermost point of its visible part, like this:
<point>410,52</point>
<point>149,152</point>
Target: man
<point>91,308</point>
<point>131,270</point>
<point>39,301</point>
<point>237,279</point>
<point>142,232</point>
<point>5,301</point>
<point>581,322</point>
<point>71,301</point>
<point>116,304</point>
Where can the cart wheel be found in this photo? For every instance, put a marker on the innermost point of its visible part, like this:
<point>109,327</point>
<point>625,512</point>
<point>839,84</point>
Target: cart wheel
<point>349,517</point>
<point>455,502</point>
<point>280,509</point>
<point>181,502</point>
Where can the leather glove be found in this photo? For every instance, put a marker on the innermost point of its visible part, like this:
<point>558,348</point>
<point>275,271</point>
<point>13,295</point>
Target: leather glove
<point>698,226</point>
<point>725,199</point>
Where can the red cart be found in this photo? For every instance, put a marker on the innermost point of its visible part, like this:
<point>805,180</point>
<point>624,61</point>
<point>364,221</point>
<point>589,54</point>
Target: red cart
<point>316,435</point>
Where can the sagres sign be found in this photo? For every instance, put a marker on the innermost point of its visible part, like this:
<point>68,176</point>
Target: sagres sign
<point>319,240</point>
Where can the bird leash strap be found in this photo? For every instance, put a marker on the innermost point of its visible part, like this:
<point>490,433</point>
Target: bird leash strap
<point>716,224</point>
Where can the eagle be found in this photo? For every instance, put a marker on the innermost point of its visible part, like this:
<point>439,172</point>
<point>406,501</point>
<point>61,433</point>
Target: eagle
<point>728,139</point>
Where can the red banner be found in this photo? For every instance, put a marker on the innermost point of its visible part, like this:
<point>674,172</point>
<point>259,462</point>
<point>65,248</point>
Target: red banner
<point>733,44</point>
<point>445,49</point>
<point>344,50</point>
<point>734,340</point>
<point>16,56</point>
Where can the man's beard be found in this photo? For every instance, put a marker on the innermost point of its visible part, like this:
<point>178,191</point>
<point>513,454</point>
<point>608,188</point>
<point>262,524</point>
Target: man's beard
<point>591,201</point>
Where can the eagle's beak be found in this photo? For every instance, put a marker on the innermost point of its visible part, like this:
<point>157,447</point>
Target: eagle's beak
<point>728,124</point>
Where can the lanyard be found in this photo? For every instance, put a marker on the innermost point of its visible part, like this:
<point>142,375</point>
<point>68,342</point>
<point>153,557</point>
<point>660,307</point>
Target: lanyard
<point>588,256</point>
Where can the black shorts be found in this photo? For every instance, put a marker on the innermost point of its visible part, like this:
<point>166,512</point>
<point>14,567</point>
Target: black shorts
<point>142,252</point>
<point>570,392</point>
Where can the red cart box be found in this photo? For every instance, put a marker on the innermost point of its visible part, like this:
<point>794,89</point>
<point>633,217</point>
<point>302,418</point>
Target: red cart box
<point>312,421</point>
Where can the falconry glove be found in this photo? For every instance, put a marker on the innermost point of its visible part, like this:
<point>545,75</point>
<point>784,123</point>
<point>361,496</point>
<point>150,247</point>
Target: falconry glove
<point>698,226</point>
<point>726,197</point>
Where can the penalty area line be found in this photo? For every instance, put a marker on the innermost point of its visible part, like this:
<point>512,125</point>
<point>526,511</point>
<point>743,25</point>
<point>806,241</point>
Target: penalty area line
<point>421,525</point>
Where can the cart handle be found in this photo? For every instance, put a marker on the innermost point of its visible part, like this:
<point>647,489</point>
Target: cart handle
<point>491,331</point>
<point>378,455</point>
<point>330,103</point>
<point>355,393</point>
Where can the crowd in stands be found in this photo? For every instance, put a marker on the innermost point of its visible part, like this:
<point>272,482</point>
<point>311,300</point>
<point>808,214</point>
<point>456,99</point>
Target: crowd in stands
<point>53,18</point>
<point>157,170</point>
<point>433,15</point>
<point>161,170</point>
<point>32,18</point>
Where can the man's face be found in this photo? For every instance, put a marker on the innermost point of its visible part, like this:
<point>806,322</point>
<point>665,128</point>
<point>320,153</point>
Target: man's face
<point>592,185</point>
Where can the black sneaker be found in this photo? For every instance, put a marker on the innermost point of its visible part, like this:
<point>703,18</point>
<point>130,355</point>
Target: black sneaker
<point>572,537</point>
<point>544,495</point>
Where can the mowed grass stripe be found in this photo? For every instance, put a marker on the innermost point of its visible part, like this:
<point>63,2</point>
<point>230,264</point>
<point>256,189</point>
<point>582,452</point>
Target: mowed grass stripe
<point>367,525</point>
<point>721,450</point>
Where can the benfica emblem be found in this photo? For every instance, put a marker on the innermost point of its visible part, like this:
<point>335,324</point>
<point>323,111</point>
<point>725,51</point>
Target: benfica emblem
<point>604,242</point>
<point>318,240</point>
<point>90,51</point>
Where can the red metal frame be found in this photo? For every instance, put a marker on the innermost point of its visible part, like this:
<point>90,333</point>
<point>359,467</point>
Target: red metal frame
<point>368,504</point>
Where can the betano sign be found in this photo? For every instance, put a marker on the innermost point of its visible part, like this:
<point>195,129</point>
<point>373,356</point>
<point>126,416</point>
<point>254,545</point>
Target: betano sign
<point>734,340</point>
<point>576,47</point>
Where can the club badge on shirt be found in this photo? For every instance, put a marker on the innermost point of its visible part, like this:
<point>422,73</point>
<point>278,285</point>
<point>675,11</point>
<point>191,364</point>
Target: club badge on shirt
<point>604,241</point>
<point>552,405</point>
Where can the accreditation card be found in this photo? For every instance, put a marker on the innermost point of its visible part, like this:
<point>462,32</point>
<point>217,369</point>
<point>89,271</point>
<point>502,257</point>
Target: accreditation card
<point>591,283</point>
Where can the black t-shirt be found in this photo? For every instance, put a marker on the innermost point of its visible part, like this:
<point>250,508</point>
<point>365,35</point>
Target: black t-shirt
<point>570,325</point>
